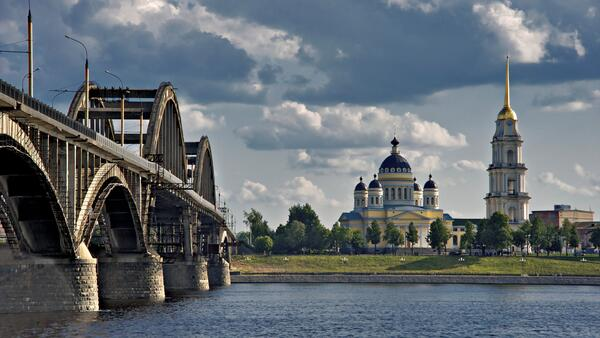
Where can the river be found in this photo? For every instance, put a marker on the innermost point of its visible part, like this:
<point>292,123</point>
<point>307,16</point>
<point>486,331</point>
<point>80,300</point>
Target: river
<point>349,310</point>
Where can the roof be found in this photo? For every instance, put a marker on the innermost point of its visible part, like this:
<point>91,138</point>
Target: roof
<point>374,183</point>
<point>395,161</point>
<point>430,184</point>
<point>350,216</point>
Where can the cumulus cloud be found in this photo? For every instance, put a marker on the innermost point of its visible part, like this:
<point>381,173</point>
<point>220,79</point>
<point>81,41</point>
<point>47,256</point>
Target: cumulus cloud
<point>256,39</point>
<point>524,37</point>
<point>343,161</point>
<point>592,178</point>
<point>194,119</point>
<point>421,5</point>
<point>568,107</point>
<point>551,179</point>
<point>254,191</point>
<point>292,125</point>
<point>463,165</point>
<point>297,190</point>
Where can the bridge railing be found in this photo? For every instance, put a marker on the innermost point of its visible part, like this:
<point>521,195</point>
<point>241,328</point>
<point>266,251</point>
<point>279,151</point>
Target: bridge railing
<point>45,109</point>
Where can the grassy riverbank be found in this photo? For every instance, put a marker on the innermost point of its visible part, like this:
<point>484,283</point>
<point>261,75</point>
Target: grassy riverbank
<point>418,265</point>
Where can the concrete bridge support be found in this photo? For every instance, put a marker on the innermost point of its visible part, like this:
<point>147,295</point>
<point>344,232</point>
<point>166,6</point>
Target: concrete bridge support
<point>218,272</point>
<point>130,280</point>
<point>184,277</point>
<point>45,285</point>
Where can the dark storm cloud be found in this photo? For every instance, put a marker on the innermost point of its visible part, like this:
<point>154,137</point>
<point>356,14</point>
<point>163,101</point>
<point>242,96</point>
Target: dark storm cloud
<point>374,53</point>
<point>203,66</point>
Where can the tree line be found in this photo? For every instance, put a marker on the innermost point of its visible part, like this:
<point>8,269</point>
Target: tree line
<point>304,233</point>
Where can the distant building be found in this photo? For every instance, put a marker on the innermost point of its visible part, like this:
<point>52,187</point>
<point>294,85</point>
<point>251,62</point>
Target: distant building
<point>507,193</point>
<point>561,212</point>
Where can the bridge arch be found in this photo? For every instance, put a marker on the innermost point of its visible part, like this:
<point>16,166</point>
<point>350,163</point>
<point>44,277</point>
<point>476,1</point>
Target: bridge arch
<point>204,174</point>
<point>102,126</point>
<point>165,133</point>
<point>110,205</point>
<point>25,186</point>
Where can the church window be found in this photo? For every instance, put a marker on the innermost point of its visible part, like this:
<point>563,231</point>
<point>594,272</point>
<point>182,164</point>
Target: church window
<point>510,156</point>
<point>455,240</point>
<point>405,193</point>
<point>393,193</point>
<point>387,194</point>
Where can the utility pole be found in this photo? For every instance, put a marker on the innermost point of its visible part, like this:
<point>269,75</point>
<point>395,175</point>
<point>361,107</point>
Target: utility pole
<point>30,49</point>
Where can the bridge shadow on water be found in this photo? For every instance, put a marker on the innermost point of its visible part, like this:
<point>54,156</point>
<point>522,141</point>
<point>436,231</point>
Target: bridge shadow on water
<point>435,263</point>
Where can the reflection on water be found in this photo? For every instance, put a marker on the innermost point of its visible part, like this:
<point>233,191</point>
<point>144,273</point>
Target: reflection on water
<point>339,310</point>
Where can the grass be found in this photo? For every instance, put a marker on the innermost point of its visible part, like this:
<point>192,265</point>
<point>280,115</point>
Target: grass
<point>386,264</point>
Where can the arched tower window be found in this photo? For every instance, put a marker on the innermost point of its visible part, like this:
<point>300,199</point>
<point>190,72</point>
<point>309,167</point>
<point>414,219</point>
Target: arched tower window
<point>393,193</point>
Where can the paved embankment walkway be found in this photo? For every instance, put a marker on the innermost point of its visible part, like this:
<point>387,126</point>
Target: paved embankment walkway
<point>414,279</point>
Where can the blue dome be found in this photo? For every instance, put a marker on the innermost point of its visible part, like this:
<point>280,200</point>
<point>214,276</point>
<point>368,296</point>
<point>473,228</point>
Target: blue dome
<point>375,183</point>
<point>360,186</point>
<point>416,186</point>
<point>395,161</point>
<point>430,184</point>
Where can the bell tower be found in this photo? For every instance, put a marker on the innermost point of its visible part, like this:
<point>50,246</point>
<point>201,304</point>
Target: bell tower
<point>507,190</point>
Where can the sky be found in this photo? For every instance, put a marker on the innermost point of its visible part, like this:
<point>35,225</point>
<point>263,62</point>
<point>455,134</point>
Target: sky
<point>300,98</point>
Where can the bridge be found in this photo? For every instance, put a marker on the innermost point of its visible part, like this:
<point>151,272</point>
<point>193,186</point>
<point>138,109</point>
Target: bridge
<point>89,223</point>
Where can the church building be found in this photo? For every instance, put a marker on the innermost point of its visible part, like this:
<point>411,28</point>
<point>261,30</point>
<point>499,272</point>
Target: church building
<point>507,191</point>
<point>394,196</point>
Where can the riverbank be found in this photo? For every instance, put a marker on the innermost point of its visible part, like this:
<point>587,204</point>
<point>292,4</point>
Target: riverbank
<point>415,279</point>
<point>416,265</point>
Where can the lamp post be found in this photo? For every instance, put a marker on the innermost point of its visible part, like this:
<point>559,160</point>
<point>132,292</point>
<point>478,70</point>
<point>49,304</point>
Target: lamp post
<point>87,81</point>
<point>27,75</point>
<point>60,92</point>
<point>122,106</point>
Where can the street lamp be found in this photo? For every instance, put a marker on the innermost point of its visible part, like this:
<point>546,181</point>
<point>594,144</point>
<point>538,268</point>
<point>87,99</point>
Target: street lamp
<point>23,84</point>
<point>60,92</point>
<point>122,106</point>
<point>87,81</point>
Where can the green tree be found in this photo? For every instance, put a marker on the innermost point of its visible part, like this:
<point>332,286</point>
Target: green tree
<point>339,237</point>
<point>595,239</point>
<point>468,238</point>
<point>393,236</point>
<point>519,239</point>
<point>263,244</point>
<point>374,234</point>
<point>525,228</point>
<point>412,237</point>
<point>536,235</point>
<point>438,235</point>
<point>244,237</point>
<point>569,233</point>
<point>289,238</point>
<point>498,233</point>
<point>481,235</point>
<point>316,235</point>
<point>258,226</point>
<point>357,241</point>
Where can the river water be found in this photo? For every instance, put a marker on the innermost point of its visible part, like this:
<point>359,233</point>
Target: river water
<point>358,310</point>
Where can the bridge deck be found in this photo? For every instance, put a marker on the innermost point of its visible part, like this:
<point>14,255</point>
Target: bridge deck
<point>28,110</point>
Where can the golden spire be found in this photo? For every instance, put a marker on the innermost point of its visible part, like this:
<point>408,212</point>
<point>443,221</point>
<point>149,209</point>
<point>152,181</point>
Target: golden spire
<point>507,84</point>
<point>507,113</point>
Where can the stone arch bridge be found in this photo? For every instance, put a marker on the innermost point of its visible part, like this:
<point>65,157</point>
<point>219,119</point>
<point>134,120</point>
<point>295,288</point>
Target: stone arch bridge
<point>89,223</point>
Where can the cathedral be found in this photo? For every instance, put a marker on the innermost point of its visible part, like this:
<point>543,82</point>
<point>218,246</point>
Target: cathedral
<point>394,196</point>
